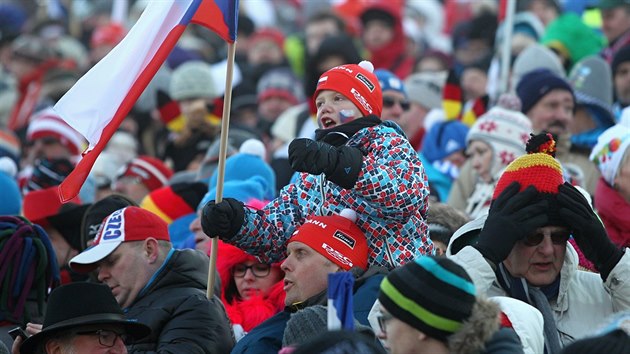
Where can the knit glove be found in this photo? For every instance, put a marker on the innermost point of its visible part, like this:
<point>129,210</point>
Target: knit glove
<point>588,231</point>
<point>511,217</point>
<point>224,219</point>
<point>341,165</point>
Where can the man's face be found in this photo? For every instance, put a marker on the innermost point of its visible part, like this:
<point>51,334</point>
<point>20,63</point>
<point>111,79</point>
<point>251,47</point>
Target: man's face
<point>615,22</point>
<point>412,120</point>
<point>132,187</point>
<point>315,32</point>
<point>305,272</point>
<point>553,113</point>
<point>125,271</point>
<point>99,339</point>
<point>539,263</point>
<point>394,105</point>
<point>622,83</point>
<point>272,107</point>
<point>63,250</point>
<point>202,241</point>
<point>377,34</point>
<point>474,83</point>
<point>399,337</point>
<point>264,51</point>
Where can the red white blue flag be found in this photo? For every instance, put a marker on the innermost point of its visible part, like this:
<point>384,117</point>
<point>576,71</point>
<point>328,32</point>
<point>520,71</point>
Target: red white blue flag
<point>340,313</point>
<point>97,104</point>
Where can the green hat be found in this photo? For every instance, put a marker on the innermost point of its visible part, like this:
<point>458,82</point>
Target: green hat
<point>609,4</point>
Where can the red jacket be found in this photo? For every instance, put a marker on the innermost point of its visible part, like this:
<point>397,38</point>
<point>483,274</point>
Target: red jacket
<point>613,209</point>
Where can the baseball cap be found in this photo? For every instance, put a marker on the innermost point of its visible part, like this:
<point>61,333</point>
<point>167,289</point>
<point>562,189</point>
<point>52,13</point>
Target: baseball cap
<point>124,225</point>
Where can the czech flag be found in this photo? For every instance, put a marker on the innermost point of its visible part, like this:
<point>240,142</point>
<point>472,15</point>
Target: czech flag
<point>97,104</point>
<point>340,313</point>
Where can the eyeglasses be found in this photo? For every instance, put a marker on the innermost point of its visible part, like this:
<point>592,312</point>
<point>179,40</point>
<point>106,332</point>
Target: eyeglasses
<point>557,238</point>
<point>106,337</point>
<point>382,321</point>
<point>260,270</point>
<point>389,102</point>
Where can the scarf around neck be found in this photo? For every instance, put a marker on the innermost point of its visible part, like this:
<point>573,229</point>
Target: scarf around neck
<point>340,134</point>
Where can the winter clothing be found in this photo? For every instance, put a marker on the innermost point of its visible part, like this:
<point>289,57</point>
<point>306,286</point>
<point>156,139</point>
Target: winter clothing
<point>443,139</point>
<point>267,337</point>
<point>404,293</point>
<point>535,56</point>
<point>615,342</point>
<point>386,224</point>
<point>581,294</point>
<point>506,132</point>
<point>245,315</point>
<point>338,235</point>
<point>526,321</point>
<point>174,201</point>
<point>358,83</point>
<point>192,80</point>
<point>11,196</point>
<point>613,209</point>
<point>609,151</point>
<point>153,173</point>
<point>174,304</point>
<point>280,82</point>
<point>425,89</point>
<point>48,124</point>
<point>534,85</point>
<point>572,38</point>
<point>389,81</point>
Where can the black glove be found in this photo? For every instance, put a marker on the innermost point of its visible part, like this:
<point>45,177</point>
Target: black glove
<point>224,219</point>
<point>588,231</point>
<point>511,217</point>
<point>341,165</point>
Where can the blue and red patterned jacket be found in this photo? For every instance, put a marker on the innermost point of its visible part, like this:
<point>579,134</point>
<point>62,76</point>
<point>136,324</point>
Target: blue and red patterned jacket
<point>390,198</point>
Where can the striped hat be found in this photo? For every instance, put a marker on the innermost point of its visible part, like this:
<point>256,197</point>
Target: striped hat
<point>48,124</point>
<point>432,294</point>
<point>174,201</point>
<point>152,172</point>
<point>538,168</point>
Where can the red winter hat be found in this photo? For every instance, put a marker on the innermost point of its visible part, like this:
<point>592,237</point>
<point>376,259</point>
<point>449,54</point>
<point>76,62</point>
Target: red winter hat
<point>40,204</point>
<point>108,34</point>
<point>335,237</point>
<point>172,202</point>
<point>124,225</point>
<point>356,82</point>
<point>269,33</point>
<point>152,172</point>
<point>48,124</point>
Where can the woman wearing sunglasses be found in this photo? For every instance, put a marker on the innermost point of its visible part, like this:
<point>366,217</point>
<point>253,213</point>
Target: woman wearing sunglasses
<point>250,290</point>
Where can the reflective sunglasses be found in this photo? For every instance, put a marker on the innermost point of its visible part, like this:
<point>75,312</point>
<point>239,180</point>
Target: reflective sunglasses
<point>260,270</point>
<point>389,102</point>
<point>557,238</point>
<point>106,337</point>
<point>382,321</point>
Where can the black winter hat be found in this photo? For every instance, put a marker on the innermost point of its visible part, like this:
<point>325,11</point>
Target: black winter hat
<point>615,342</point>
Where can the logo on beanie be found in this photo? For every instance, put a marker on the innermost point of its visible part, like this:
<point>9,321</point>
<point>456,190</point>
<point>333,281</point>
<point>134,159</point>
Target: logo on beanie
<point>337,255</point>
<point>316,223</point>
<point>322,79</point>
<point>365,81</point>
<point>361,100</point>
<point>344,238</point>
<point>114,226</point>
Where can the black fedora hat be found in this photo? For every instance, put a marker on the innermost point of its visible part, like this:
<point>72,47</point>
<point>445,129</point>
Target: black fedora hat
<point>80,304</point>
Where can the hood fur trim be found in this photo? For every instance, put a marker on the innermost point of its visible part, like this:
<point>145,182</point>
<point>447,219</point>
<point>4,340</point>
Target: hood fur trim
<point>477,330</point>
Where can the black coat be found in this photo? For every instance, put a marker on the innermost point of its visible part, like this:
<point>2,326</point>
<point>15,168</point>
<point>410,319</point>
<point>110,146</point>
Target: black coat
<point>175,306</point>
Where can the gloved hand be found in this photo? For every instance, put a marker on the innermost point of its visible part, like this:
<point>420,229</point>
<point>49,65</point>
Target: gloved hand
<point>588,230</point>
<point>341,165</point>
<point>511,217</point>
<point>224,219</point>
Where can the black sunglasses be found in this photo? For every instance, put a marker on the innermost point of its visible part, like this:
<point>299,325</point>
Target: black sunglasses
<point>557,238</point>
<point>389,102</point>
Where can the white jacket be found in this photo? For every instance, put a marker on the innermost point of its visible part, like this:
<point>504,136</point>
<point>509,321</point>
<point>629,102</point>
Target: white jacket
<point>584,301</point>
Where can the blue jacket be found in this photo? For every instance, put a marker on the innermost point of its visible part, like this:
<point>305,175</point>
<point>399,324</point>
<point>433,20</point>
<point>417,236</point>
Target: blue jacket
<point>390,198</point>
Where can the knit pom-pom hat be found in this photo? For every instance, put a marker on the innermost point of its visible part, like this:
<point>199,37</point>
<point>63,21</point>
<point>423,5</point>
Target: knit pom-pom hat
<point>356,82</point>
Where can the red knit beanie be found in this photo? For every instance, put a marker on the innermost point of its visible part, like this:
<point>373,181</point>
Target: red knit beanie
<point>538,168</point>
<point>356,82</point>
<point>335,237</point>
<point>152,172</point>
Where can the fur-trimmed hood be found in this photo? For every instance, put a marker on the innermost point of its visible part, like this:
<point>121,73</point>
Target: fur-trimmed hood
<point>477,330</point>
<point>253,311</point>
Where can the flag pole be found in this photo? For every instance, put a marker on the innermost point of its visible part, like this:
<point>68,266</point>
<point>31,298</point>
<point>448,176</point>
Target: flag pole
<point>506,46</point>
<point>225,121</point>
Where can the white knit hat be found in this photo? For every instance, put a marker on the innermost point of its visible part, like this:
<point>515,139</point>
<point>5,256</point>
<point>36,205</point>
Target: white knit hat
<point>47,123</point>
<point>609,150</point>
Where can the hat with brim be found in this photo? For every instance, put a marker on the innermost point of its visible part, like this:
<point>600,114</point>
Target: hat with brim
<point>67,222</point>
<point>80,304</point>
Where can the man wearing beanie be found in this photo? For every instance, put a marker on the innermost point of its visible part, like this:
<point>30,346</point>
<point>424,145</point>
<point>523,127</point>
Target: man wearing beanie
<point>615,25</point>
<point>323,245</point>
<point>523,251</point>
<point>356,162</point>
<point>430,306</point>
<point>549,102</point>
